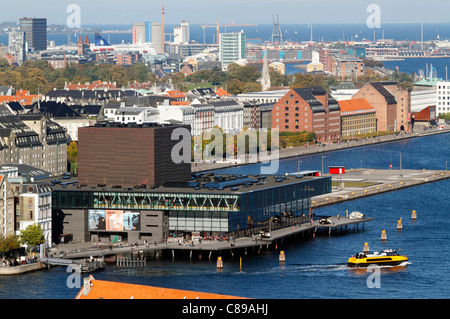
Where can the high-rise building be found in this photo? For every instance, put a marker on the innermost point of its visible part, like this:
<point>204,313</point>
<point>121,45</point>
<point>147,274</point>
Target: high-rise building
<point>35,33</point>
<point>17,46</point>
<point>148,31</point>
<point>139,32</point>
<point>157,31</point>
<point>181,33</point>
<point>231,48</point>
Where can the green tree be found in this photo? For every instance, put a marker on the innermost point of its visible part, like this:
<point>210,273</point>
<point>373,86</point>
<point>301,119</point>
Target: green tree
<point>60,83</point>
<point>248,73</point>
<point>9,243</point>
<point>277,79</point>
<point>138,72</point>
<point>445,116</point>
<point>32,236</point>
<point>72,152</point>
<point>4,65</point>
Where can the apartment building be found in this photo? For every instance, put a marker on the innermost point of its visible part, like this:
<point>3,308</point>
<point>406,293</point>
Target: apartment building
<point>358,117</point>
<point>308,109</point>
<point>442,97</point>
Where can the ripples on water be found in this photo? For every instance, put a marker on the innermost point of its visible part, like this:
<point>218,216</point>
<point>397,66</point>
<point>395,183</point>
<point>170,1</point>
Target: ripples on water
<point>314,267</point>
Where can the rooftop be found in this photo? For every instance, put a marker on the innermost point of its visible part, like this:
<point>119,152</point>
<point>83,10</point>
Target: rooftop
<point>355,106</point>
<point>379,86</point>
<point>100,289</point>
<point>202,183</point>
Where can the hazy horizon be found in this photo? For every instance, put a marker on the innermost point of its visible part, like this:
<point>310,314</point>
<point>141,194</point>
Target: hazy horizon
<point>238,11</point>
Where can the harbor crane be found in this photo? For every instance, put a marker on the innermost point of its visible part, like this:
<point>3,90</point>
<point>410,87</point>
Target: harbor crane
<point>223,25</point>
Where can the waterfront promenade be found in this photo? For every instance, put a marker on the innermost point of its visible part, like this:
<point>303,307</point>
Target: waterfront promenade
<point>352,185</point>
<point>315,149</point>
<point>208,248</point>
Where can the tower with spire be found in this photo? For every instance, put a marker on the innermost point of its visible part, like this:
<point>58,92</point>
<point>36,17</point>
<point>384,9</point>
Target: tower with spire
<point>83,47</point>
<point>265,77</point>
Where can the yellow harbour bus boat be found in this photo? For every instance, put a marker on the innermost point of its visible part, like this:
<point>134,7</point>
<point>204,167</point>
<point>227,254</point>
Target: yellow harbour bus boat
<point>385,257</point>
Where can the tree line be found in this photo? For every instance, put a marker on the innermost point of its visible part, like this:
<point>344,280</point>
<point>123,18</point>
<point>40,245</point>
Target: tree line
<point>40,76</point>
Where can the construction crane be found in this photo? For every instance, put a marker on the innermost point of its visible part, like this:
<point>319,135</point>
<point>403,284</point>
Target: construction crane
<point>224,25</point>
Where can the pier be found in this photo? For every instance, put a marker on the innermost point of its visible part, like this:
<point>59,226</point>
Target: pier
<point>135,256</point>
<point>352,185</point>
<point>360,183</point>
<point>83,266</point>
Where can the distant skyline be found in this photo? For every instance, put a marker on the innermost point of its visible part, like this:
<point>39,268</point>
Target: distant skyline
<point>230,11</point>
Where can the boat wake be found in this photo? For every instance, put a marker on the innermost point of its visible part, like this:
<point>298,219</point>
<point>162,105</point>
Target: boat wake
<point>318,268</point>
<point>300,268</point>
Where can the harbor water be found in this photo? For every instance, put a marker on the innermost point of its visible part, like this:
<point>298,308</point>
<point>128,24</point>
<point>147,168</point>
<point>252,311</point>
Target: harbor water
<point>315,267</point>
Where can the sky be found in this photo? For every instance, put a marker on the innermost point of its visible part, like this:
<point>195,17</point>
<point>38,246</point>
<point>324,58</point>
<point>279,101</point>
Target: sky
<point>229,11</point>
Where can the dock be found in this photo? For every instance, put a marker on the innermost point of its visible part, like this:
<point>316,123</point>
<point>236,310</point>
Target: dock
<point>359,183</point>
<point>134,256</point>
<point>78,265</point>
<point>354,184</point>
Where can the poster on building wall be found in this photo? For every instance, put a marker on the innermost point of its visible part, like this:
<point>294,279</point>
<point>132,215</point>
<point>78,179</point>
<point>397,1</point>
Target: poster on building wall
<point>131,220</point>
<point>114,220</point>
<point>97,219</point>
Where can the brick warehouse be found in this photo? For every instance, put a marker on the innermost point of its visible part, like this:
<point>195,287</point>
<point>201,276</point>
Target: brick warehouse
<point>128,155</point>
<point>308,109</point>
<point>391,102</point>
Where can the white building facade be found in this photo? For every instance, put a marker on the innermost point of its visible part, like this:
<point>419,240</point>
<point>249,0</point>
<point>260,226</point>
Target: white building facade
<point>232,47</point>
<point>138,115</point>
<point>181,33</point>
<point>443,97</point>
<point>36,208</point>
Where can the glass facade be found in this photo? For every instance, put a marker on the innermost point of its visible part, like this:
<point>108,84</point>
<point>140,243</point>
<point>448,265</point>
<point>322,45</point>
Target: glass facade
<point>208,212</point>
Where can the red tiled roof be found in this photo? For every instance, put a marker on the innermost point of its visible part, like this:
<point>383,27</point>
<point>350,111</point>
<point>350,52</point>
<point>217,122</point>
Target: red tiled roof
<point>100,289</point>
<point>221,92</point>
<point>175,94</point>
<point>355,106</point>
<point>180,103</point>
<point>22,96</point>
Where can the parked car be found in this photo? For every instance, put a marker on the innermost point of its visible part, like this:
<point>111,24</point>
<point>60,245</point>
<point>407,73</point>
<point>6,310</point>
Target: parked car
<point>356,215</point>
<point>324,220</point>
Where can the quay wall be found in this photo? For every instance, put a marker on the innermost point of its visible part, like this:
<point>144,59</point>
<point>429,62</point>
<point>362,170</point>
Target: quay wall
<point>20,269</point>
<point>316,149</point>
<point>331,198</point>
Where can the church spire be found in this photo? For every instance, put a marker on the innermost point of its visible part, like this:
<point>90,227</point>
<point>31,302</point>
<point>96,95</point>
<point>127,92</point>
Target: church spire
<point>265,77</point>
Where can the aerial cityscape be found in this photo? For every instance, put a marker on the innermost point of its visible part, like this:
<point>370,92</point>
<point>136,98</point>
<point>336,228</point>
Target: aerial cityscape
<point>184,152</point>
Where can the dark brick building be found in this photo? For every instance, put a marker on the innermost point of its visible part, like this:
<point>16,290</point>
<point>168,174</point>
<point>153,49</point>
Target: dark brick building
<point>129,155</point>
